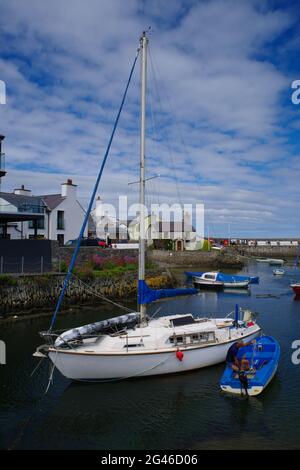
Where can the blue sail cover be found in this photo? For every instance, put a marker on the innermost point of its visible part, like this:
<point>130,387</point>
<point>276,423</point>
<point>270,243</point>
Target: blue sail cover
<point>225,277</point>
<point>146,295</point>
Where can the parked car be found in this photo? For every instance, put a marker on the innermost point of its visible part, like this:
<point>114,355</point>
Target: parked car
<point>89,242</point>
<point>102,243</point>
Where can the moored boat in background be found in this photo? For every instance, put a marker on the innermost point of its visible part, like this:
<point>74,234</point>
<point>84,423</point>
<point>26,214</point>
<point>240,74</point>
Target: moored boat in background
<point>296,288</point>
<point>271,261</point>
<point>208,281</point>
<point>216,280</point>
<point>226,278</point>
<point>275,262</point>
<point>278,272</point>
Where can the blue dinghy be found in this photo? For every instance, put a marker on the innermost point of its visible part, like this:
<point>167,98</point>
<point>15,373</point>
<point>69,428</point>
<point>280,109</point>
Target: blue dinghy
<point>263,357</point>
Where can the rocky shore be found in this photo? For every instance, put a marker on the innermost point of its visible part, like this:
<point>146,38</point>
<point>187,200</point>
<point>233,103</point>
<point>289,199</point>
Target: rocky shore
<point>24,295</point>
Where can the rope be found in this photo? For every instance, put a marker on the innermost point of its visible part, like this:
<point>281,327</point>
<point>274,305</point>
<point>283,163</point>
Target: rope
<point>37,367</point>
<point>167,138</point>
<point>50,381</point>
<point>102,297</point>
<point>253,353</point>
<point>87,214</point>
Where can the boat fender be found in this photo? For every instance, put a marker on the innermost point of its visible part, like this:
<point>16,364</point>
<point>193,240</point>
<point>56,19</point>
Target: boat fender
<point>179,355</point>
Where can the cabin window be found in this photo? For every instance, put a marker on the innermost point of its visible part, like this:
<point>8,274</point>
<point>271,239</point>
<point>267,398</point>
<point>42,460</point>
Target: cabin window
<point>137,345</point>
<point>209,276</point>
<point>176,339</point>
<point>179,339</point>
<point>206,337</point>
<point>195,338</point>
<point>185,320</point>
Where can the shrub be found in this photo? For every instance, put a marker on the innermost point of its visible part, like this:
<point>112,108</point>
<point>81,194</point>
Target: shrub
<point>98,262</point>
<point>6,280</point>
<point>63,267</point>
<point>206,246</point>
<point>84,273</point>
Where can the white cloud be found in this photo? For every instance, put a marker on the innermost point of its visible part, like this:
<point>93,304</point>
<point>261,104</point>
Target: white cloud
<point>217,106</point>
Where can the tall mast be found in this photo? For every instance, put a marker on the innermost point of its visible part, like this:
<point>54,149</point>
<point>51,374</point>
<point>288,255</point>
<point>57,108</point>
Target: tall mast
<point>143,49</point>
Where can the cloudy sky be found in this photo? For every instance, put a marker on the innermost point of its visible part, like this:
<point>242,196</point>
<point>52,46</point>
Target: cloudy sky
<point>221,126</point>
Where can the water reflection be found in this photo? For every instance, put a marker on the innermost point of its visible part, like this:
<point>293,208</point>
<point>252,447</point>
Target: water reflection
<point>180,411</point>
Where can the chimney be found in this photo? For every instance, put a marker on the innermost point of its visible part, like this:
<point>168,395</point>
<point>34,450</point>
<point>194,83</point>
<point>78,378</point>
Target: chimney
<point>22,191</point>
<point>2,137</point>
<point>99,207</point>
<point>68,189</point>
<point>2,159</point>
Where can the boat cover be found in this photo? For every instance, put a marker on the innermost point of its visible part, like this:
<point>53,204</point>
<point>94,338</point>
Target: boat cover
<point>147,295</point>
<point>120,322</point>
<point>226,277</point>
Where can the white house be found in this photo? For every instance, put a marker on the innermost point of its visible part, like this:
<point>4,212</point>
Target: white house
<point>52,216</point>
<point>107,226</point>
<point>178,235</point>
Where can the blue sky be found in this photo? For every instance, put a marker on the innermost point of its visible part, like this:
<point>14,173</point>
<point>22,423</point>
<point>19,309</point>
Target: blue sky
<point>221,125</point>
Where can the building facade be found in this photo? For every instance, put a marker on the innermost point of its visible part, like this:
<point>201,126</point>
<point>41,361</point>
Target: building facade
<point>50,216</point>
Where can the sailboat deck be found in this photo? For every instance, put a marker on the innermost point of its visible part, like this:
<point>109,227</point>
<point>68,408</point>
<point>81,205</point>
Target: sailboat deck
<point>160,335</point>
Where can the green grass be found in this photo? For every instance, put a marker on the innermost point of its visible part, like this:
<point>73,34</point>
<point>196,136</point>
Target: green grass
<point>114,270</point>
<point>6,280</point>
<point>206,246</point>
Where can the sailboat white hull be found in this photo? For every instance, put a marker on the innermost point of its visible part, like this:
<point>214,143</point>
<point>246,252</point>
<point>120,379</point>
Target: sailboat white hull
<point>91,366</point>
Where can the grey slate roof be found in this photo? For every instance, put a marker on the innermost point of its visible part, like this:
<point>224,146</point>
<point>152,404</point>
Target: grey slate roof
<point>52,200</point>
<point>23,203</point>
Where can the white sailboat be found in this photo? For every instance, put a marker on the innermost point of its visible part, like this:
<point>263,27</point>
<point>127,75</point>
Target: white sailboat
<point>134,345</point>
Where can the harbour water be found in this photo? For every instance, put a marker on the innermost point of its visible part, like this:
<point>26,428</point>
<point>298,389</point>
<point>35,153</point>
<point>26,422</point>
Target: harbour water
<point>185,411</point>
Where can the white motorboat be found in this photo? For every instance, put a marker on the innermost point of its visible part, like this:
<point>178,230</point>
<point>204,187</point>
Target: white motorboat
<point>134,345</point>
<point>278,272</point>
<point>271,261</point>
<point>275,262</point>
<point>216,280</point>
<point>208,281</point>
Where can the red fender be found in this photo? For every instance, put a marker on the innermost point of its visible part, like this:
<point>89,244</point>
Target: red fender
<point>179,355</point>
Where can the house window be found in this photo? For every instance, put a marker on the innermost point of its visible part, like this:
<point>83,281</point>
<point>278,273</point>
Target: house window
<point>40,224</point>
<point>60,220</point>
<point>61,239</point>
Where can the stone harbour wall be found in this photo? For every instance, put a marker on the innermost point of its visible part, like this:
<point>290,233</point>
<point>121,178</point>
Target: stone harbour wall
<point>35,293</point>
<point>64,253</point>
<point>184,259</point>
<point>284,252</point>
